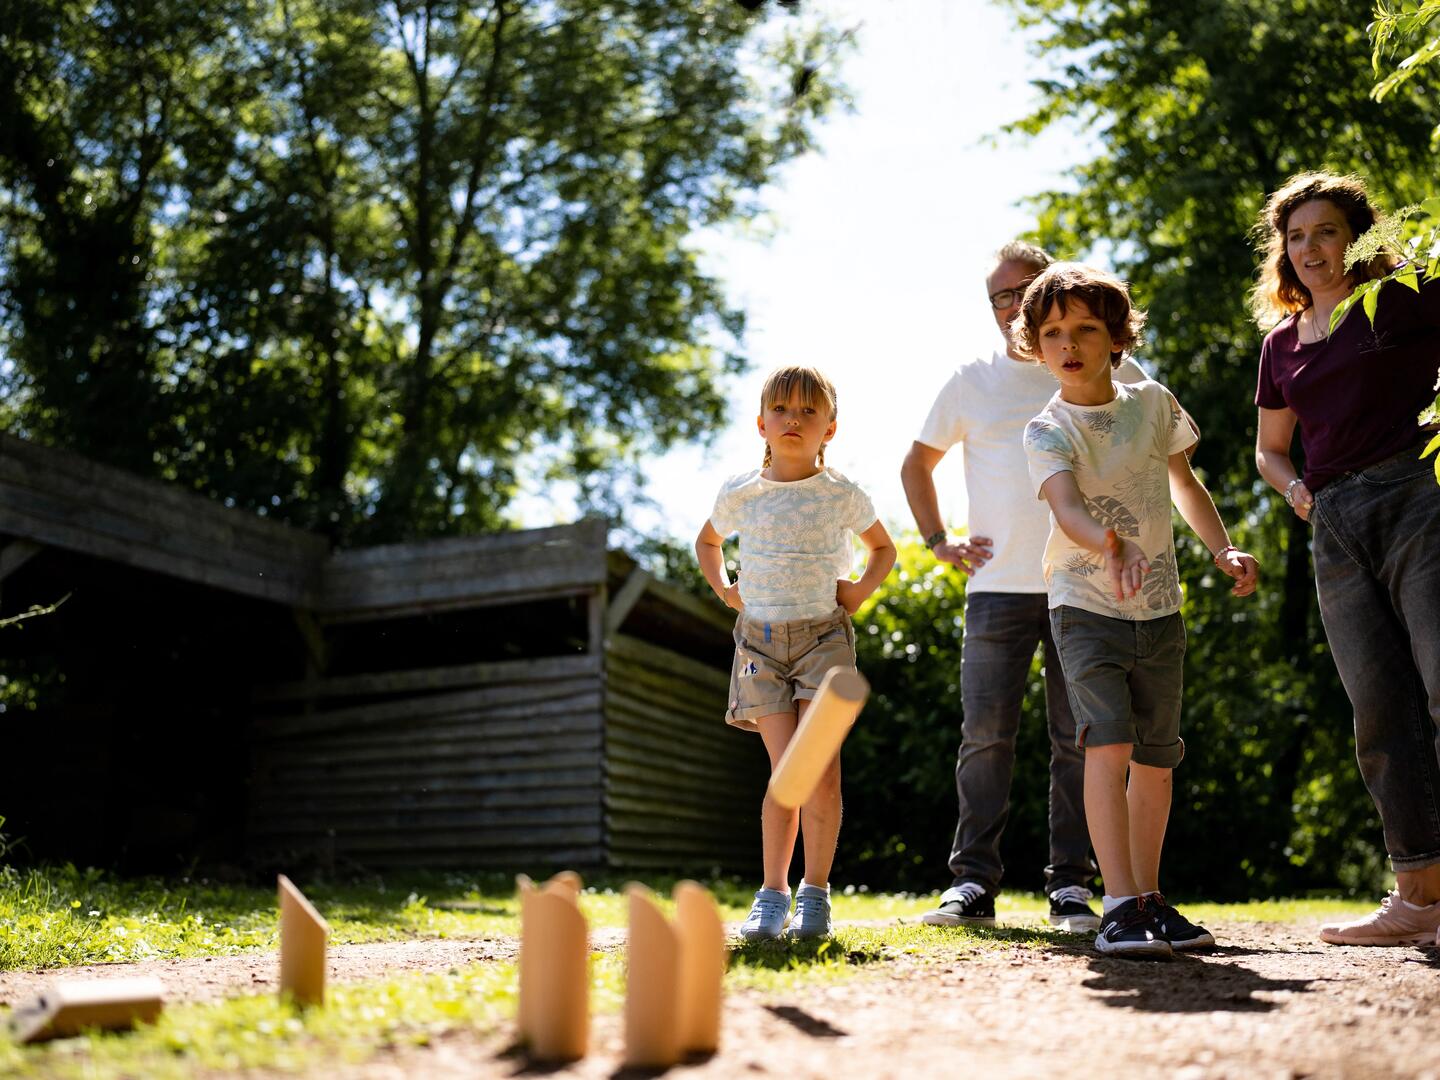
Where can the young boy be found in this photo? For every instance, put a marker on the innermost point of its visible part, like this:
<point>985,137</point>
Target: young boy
<point>1108,458</point>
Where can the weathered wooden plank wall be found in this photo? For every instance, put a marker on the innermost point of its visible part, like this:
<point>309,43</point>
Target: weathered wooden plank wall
<point>504,773</point>
<point>682,787</point>
<point>58,499</point>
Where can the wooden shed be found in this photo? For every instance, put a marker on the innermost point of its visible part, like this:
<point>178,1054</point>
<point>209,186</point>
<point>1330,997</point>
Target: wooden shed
<point>530,698</point>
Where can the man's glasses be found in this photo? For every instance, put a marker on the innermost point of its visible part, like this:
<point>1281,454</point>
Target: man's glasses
<point>1009,297</point>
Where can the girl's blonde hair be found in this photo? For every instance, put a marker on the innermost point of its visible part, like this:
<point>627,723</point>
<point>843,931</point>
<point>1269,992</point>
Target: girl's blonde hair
<point>1279,293</point>
<point>816,391</point>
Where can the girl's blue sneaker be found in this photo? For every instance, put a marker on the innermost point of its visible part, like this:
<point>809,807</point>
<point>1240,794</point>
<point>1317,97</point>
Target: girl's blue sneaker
<point>768,915</point>
<point>812,912</point>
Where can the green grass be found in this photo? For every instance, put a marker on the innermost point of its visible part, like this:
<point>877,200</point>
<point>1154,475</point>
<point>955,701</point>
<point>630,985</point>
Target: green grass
<point>359,1020</point>
<point>61,917</point>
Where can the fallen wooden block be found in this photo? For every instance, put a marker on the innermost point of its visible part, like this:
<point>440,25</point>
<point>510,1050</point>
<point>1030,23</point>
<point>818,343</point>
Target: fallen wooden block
<point>303,934</point>
<point>553,1011</point>
<point>672,985</point>
<point>817,740</point>
<point>69,1006</point>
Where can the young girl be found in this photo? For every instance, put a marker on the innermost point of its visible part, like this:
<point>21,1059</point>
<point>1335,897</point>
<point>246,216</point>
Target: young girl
<point>794,517</point>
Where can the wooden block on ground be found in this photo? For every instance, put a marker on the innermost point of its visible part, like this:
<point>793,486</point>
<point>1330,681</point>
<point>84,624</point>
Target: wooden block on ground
<point>652,986</point>
<point>817,740</point>
<point>702,967</point>
<point>303,933</point>
<point>554,1006</point>
<point>68,1006</point>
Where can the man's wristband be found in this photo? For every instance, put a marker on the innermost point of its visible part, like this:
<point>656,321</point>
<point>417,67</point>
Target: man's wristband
<point>1290,491</point>
<point>1223,552</point>
<point>935,538</point>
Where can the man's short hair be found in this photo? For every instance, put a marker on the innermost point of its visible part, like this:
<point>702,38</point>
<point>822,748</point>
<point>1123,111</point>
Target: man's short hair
<point>1022,251</point>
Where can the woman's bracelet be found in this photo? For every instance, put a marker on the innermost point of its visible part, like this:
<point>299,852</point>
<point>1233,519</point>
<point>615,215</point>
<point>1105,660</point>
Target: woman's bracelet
<point>1290,492</point>
<point>1223,552</point>
<point>935,538</point>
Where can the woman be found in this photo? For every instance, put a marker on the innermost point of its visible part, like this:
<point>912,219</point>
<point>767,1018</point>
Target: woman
<point>1375,509</point>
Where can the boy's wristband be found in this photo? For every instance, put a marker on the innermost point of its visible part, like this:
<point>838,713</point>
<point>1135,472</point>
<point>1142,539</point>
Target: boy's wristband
<point>935,538</point>
<point>1223,552</point>
<point>1290,491</point>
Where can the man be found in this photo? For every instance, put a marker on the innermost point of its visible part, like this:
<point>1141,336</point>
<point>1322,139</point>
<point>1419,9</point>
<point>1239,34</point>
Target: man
<point>984,408</point>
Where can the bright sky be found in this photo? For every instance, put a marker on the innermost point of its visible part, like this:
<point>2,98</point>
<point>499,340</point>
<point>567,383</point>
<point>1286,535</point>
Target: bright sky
<point>880,243</point>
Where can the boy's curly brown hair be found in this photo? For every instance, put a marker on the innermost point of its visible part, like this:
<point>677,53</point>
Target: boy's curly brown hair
<point>1107,297</point>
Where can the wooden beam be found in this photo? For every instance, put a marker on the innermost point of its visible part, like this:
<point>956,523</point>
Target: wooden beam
<point>16,554</point>
<point>626,598</point>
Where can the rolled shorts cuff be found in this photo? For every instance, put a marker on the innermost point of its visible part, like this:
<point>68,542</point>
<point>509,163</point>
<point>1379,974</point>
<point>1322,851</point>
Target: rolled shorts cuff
<point>1122,733</point>
<point>744,717</point>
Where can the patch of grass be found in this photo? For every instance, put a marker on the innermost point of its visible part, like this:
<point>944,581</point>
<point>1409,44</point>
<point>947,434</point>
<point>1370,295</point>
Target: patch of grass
<point>358,1020</point>
<point>61,916</point>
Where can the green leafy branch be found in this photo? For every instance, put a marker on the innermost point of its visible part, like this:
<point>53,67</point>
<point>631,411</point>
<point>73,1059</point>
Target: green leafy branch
<point>32,612</point>
<point>1393,23</point>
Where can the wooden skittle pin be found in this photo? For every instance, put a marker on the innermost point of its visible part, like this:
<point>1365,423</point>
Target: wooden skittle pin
<point>302,946</point>
<point>554,1008</point>
<point>567,882</point>
<point>702,967</point>
<point>652,985</point>
<point>69,1006</point>
<point>817,740</point>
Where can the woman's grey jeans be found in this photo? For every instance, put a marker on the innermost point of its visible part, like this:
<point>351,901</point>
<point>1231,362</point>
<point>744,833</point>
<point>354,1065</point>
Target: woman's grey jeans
<point>1377,572</point>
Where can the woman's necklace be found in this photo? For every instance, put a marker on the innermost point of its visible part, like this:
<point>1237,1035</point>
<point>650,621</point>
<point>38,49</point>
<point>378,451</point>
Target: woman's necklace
<point>1318,331</point>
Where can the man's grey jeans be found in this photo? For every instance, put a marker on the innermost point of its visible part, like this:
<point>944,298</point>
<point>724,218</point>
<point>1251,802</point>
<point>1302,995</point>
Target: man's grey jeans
<point>1001,633</point>
<point>1377,572</point>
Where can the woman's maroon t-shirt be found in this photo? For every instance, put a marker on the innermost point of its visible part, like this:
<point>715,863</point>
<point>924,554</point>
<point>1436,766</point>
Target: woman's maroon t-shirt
<point>1357,394</point>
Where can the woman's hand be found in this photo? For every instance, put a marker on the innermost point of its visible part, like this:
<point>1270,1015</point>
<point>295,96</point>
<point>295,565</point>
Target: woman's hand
<point>732,597</point>
<point>1126,564</point>
<point>849,595</point>
<point>969,555</point>
<point>1301,501</point>
<point>1242,567</point>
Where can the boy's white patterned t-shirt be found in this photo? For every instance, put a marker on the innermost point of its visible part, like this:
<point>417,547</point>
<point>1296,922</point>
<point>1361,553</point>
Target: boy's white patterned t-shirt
<point>1119,454</point>
<point>794,539</point>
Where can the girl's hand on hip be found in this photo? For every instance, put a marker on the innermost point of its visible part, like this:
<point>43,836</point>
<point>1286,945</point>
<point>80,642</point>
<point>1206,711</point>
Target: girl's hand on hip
<point>732,597</point>
<point>969,555</point>
<point>1126,564</point>
<point>1243,568</point>
<point>848,595</point>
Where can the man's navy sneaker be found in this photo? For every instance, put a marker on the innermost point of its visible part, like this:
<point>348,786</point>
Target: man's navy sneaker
<point>967,904</point>
<point>1070,912</point>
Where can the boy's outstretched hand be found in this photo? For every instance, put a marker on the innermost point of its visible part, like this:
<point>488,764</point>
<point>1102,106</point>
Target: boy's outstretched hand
<point>1242,567</point>
<point>1126,564</point>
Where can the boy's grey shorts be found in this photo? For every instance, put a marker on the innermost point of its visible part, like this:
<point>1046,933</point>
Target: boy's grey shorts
<point>1124,678</point>
<point>780,663</point>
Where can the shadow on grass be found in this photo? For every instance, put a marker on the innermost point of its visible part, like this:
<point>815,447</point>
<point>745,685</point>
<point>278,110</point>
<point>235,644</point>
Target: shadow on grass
<point>1186,984</point>
<point>784,954</point>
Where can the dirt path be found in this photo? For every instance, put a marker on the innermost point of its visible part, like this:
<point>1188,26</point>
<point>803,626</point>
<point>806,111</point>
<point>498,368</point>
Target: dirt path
<point>1272,1002</point>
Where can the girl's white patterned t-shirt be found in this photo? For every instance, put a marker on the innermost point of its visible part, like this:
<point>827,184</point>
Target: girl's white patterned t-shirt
<point>1119,454</point>
<point>794,539</point>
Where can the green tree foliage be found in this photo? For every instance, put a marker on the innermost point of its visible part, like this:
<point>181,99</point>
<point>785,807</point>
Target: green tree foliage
<point>350,261</point>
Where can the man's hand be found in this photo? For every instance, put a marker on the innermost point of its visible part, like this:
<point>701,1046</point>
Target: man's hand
<point>1126,564</point>
<point>1243,568</point>
<point>1303,502</point>
<point>849,595</point>
<point>969,555</point>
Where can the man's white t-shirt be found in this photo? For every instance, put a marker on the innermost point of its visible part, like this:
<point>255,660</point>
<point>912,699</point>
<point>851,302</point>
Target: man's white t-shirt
<point>1119,454</point>
<point>794,539</point>
<point>985,407</point>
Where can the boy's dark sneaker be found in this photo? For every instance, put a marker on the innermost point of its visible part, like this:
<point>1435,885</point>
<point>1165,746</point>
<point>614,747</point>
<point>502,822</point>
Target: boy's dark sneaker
<point>1130,930</point>
<point>1176,928</point>
<point>967,904</point>
<point>1070,911</point>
